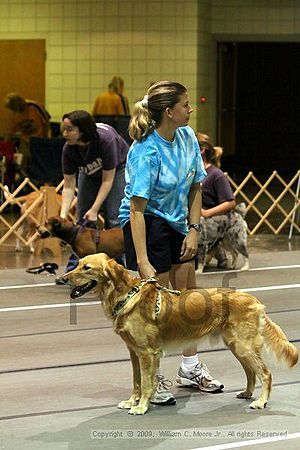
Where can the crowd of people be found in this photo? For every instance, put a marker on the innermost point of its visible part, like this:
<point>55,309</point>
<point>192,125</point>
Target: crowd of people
<point>151,190</point>
<point>28,118</point>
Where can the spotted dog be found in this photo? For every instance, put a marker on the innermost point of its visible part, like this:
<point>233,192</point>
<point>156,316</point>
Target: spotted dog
<point>228,230</point>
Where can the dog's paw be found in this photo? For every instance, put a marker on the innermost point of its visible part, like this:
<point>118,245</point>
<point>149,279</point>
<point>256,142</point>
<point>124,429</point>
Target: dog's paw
<point>245,266</point>
<point>244,394</point>
<point>127,404</point>
<point>200,268</point>
<point>138,410</point>
<point>258,404</point>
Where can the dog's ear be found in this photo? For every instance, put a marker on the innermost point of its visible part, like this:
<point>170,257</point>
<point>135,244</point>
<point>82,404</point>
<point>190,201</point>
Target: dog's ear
<point>115,272</point>
<point>55,224</point>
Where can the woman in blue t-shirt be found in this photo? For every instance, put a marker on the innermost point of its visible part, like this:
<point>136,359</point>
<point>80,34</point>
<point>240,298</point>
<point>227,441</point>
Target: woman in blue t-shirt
<point>160,212</point>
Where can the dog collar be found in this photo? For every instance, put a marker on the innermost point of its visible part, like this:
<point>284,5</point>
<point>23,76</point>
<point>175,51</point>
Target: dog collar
<point>73,232</point>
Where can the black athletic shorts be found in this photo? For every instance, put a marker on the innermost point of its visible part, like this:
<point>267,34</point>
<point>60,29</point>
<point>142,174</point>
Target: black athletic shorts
<point>163,244</point>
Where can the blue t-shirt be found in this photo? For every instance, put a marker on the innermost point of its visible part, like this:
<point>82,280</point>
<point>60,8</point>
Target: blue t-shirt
<point>163,172</point>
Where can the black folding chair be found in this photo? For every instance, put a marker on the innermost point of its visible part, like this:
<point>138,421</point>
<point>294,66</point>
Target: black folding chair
<point>45,164</point>
<point>119,123</point>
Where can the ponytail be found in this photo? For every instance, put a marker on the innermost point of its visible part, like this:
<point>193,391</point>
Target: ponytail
<point>148,113</point>
<point>211,154</point>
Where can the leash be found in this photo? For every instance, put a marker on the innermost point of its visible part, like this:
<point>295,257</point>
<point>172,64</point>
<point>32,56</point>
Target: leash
<point>152,280</point>
<point>133,291</point>
<point>95,229</point>
<point>48,267</point>
<point>158,300</point>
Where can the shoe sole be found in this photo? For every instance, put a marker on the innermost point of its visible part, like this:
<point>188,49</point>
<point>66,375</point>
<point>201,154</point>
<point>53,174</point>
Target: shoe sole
<point>185,382</point>
<point>171,401</point>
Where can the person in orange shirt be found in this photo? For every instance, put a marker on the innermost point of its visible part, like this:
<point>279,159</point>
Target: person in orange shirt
<point>112,102</point>
<point>28,119</point>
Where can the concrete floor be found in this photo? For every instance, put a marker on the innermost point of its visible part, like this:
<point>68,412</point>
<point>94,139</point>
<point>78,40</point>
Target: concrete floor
<point>63,370</point>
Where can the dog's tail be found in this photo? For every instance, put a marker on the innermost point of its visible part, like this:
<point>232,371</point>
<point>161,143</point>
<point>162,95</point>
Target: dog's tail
<point>7,193</point>
<point>276,343</point>
<point>13,200</point>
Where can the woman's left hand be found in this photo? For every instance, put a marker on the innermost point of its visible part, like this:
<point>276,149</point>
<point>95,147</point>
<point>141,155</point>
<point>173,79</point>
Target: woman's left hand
<point>90,215</point>
<point>190,245</point>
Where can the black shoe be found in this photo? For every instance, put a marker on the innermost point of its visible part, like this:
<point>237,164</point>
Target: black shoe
<point>62,281</point>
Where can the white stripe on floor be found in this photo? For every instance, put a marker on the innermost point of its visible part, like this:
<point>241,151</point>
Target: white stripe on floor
<point>248,443</point>
<point>219,272</point>
<point>22,286</point>
<point>254,269</point>
<point>72,303</point>
<point>269,288</point>
<point>54,305</point>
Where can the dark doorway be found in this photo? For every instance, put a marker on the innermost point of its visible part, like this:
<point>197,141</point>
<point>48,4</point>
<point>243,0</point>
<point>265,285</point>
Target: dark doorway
<point>259,106</point>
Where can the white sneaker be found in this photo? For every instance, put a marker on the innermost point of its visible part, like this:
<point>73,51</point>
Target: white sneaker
<point>198,377</point>
<point>162,396</point>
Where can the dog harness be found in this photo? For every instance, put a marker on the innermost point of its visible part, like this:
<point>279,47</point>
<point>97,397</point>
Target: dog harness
<point>120,305</point>
<point>77,229</point>
<point>74,231</point>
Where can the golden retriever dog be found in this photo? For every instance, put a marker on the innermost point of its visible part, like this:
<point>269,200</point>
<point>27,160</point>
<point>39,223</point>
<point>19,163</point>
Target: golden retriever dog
<point>152,319</point>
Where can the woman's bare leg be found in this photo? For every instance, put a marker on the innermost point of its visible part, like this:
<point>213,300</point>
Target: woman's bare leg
<point>182,276</point>
<point>164,279</point>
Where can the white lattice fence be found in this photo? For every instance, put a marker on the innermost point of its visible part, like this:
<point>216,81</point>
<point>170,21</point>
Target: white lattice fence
<point>285,203</point>
<point>40,209</point>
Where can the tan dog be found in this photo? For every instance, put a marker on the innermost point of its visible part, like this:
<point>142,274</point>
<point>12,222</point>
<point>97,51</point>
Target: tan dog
<point>151,319</point>
<point>83,240</point>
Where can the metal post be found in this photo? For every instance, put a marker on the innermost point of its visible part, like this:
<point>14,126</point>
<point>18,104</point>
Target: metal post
<point>297,209</point>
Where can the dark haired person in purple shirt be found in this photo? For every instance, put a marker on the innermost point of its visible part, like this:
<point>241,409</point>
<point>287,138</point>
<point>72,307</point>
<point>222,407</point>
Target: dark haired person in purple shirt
<point>94,155</point>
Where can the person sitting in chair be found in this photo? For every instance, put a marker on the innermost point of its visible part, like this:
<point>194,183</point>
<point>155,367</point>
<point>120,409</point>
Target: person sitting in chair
<point>28,119</point>
<point>217,195</point>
